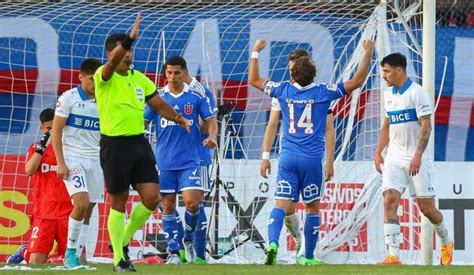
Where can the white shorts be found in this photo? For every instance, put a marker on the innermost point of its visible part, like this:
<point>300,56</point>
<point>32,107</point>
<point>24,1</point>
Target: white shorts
<point>395,176</point>
<point>85,175</point>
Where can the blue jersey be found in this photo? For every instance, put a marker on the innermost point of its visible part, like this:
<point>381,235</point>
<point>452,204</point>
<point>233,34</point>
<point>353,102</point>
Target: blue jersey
<point>304,111</point>
<point>205,153</point>
<point>177,149</point>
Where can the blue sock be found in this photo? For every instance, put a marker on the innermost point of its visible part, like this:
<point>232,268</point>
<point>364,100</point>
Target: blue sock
<point>190,222</point>
<point>179,224</point>
<point>171,230</point>
<point>311,232</point>
<point>201,233</point>
<point>275,224</point>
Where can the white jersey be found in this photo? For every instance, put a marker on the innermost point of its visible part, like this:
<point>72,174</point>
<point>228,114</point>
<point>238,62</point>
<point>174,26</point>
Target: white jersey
<point>403,108</point>
<point>81,134</point>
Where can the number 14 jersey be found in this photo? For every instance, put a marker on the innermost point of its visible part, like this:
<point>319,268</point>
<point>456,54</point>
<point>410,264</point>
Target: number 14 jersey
<point>304,111</point>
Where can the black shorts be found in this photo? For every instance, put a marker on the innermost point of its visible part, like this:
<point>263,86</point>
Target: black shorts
<point>127,160</point>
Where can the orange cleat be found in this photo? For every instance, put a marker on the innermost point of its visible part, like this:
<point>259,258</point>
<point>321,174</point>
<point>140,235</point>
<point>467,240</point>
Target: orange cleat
<point>446,257</point>
<point>391,260</point>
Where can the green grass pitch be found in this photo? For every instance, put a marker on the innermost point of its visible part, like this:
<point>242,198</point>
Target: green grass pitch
<point>262,269</point>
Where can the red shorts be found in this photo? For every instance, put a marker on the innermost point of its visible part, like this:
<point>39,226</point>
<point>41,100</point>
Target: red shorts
<point>43,234</point>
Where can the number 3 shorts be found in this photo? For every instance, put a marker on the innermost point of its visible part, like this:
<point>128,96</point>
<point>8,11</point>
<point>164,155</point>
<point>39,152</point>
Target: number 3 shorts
<point>85,175</point>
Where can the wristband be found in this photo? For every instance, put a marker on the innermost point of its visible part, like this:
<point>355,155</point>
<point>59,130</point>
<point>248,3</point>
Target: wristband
<point>255,55</point>
<point>127,43</point>
<point>265,155</point>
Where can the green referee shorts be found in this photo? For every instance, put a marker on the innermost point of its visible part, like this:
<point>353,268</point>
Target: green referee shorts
<point>127,160</point>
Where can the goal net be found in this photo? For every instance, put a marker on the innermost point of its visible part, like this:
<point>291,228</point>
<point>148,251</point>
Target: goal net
<point>44,44</point>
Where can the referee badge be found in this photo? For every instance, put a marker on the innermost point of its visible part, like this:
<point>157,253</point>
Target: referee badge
<point>139,92</point>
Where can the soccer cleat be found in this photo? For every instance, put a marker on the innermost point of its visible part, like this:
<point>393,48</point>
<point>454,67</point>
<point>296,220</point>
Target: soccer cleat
<point>314,261</point>
<point>391,260</point>
<point>17,257</point>
<point>124,266</point>
<point>271,256</point>
<point>189,251</point>
<point>182,256</point>
<point>125,253</point>
<point>446,257</point>
<point>200,261</point>
<point>173,259</point>
<point>299,251</point>
<point>71,261</point>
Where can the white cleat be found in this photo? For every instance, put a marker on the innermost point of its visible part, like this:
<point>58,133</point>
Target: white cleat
<point>173,259</point>
<point>189,251</point>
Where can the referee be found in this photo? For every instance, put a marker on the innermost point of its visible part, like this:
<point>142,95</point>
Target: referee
<point>125,155</point>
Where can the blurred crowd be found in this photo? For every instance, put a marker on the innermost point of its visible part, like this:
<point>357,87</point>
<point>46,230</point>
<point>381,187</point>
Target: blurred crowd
<point>455,17</point>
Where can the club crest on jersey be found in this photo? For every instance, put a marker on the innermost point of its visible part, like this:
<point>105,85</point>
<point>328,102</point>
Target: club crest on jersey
<point>139,92</point>
<point>188,109</point>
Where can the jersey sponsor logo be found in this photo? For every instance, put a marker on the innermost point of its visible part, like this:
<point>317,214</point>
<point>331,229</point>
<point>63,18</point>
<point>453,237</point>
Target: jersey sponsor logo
<point>81,105</point>
<point>58,104</point>
<point>188,109</point>
<point>140,93</point>
<point>299,101</point>
<point>402,116</point>
<point>83,122</point>
<point>425,108</point>
<point>45,168</point>
<point>165,123</point>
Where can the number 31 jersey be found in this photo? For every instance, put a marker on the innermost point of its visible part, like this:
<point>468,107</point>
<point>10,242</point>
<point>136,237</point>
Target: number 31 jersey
<point>304,111</point>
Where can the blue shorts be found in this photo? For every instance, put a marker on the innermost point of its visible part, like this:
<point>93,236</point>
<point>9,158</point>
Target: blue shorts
<point>299,175</point>
<point>176,181</point>
<point>206,178</point>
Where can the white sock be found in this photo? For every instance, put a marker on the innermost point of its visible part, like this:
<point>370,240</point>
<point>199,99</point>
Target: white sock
<point>442,232</point>
<point>82,240</point>
<point>392,238</point>
<point>292,223</point>
<point>73,230</point>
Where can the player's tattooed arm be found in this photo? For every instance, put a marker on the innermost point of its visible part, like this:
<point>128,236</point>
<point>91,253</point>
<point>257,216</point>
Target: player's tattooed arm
<point>424,137</point>
<point>415,163</point>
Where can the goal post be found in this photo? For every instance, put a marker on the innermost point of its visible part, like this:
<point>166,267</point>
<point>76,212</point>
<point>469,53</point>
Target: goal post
<point>429,48</point>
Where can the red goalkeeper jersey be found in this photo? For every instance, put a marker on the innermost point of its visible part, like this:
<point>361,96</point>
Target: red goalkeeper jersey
<point>50,197</point>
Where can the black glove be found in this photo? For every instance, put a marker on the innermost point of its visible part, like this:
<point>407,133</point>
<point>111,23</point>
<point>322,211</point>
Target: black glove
<point>44,142</point>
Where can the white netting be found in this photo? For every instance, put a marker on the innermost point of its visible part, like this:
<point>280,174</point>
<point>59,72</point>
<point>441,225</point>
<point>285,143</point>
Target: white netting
<point>42,48</point>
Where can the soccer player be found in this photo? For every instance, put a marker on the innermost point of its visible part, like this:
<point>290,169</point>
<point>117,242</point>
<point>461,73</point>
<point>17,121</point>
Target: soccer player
<point>51,202</point>
<point>75,138</point>
<point>205,154</point>
<point>292,220</point>
<point>406,130</point>
<point>125,155</point>
<point>304,107</point>
<point>178,158</point>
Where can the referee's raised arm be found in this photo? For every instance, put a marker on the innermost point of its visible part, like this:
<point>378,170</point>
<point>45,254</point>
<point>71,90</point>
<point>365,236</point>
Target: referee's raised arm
<point>117,55</point>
